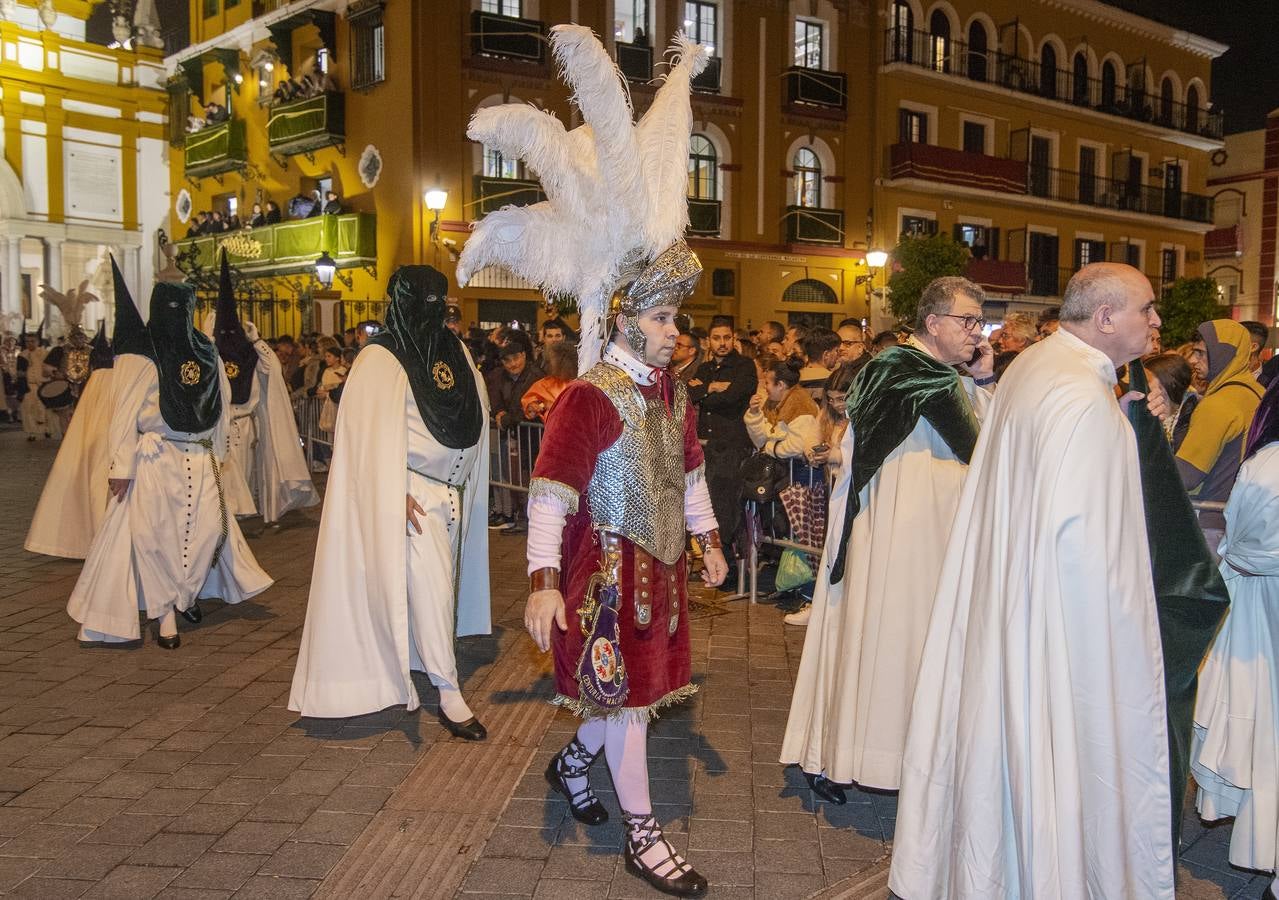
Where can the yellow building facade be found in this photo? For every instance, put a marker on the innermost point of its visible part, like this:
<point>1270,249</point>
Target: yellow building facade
<point>1046,135</point>
<point>822,129</point>
<point>82,129</point>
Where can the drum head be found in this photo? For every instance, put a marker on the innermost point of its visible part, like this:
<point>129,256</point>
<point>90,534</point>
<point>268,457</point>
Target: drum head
<point>55,394</point>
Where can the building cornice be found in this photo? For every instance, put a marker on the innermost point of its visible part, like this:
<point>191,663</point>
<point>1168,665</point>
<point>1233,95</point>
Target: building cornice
<point>1139,25</point>
<point>247,34</point>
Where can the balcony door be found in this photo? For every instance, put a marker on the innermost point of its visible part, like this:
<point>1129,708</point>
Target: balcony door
<point>1041,265</point>
<point>1088,175</point>
<point>1041,149</point>
<point>1172,189</point>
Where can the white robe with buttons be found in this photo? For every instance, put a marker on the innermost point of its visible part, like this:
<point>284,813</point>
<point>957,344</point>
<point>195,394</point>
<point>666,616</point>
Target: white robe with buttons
<point>384,602</point>
<point>155,549</point>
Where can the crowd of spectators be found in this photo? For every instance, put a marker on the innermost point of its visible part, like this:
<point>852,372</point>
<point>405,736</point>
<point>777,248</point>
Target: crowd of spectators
<point>301,206</point>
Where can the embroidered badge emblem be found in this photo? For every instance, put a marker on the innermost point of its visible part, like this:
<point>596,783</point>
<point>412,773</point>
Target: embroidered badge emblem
<point>189,374</point>
<point>604,660</point>
<point>443,376</point>
<point>232,370</point>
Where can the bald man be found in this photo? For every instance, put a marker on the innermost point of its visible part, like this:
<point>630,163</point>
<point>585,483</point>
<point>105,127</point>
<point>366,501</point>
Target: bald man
<point>1037,760</point>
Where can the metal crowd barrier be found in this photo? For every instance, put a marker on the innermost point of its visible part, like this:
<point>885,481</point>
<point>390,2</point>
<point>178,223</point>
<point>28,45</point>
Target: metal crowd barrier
<point>306,412</point>
<point>512,452</point>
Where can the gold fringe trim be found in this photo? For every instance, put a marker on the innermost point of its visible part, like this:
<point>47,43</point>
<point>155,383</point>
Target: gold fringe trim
<point>556,490</point>
<point>691,478</point>
<point>584,709</point>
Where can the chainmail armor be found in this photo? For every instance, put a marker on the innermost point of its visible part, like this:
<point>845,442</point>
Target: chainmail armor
<point>637,489</point>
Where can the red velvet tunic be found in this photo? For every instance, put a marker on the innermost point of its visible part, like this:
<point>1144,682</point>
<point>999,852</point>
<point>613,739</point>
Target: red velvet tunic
<point>582,424</point>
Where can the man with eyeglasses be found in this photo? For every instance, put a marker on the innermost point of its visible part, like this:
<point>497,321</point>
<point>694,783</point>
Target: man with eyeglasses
<point>1051,719</point>
<point>913,414</point>
<point>684,360</point>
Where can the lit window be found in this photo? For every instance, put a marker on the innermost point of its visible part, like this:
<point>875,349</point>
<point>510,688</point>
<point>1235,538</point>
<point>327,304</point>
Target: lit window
<point>498,166</point>
<point>703,165</point>
<point>808,44</point>
<point>512,8</point>
<point>808,178</point>
<point>701,22</point>
<point>631,16</point>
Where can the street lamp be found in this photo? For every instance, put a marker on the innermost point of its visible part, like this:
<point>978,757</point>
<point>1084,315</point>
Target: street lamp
<point>876,259</point>
<point>435,199</point>
<point>325,268</point>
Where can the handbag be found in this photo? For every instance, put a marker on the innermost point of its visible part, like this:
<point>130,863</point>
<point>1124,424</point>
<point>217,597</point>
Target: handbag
<point>763,477</point>
<point>601,672</point>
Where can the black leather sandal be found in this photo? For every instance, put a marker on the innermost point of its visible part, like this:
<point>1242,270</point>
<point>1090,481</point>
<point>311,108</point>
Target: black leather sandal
<point>583,804</point>
<point>672,875</point>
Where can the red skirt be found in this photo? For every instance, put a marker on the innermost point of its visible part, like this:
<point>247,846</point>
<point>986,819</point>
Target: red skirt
<point>657,658</point>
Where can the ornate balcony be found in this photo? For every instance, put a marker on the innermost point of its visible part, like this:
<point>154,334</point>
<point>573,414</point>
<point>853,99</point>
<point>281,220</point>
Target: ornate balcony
<point>494,193</point>
<point>215,149</point>
<point>1135,102</point>
<point>976,170</point>
<point>635,61</point>
<point>351,239</point>
<point>812,225</point>
<point>1000,275</point>
<point>703,217</point>
<point>816,90</point>
<point>507,37</point>
<point>304,126</point>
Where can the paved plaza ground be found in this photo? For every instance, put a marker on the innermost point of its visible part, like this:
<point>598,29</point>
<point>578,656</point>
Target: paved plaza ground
<point>149,773</point>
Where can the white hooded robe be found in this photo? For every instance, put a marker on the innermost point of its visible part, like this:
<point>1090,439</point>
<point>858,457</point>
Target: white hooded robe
<point>1036,762</point>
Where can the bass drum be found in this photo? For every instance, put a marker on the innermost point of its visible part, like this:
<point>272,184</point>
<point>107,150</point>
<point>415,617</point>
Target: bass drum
<point>55,394</point>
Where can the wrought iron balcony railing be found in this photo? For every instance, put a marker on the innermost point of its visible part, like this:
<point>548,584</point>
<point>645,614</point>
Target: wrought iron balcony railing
<point>709,81</point>
<point>1135,100</point>
<point>635,61</point>
<point>303,126</point>
<point>813,225</point>
<point>814,87</point>
<point>703,217</point>
<point>215,149</point>
<point>293,246</point>
<point>493,193</point>
<point>508,37</point>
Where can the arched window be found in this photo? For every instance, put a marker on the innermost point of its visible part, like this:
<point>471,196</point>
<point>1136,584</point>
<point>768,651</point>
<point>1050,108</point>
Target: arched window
<point>498,166</point>
<point>977,59</point>
<point>703,167</point>
<point>1166,101</point>
<point>808,178</point>
<point>809,290</point>
<point>903,32</point>
<point>1192,109</point>
<point>939,42</point>
<point>1108,79</point>
<point>1048,72</point>
<point>1079,89</point>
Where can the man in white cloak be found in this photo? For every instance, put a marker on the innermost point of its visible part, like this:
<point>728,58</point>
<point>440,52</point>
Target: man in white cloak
<point>912,426</point>
<point>401,564</point>
<point>1235,755</point>
<point>169,537</point>
<point>74,501</point>
<point>1037,758</point>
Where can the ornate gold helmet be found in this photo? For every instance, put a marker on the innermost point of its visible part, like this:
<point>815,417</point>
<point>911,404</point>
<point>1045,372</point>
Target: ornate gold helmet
<point>668,280</point>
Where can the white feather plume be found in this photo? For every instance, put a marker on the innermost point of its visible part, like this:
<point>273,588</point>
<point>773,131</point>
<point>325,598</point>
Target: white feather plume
<point>614,189</point>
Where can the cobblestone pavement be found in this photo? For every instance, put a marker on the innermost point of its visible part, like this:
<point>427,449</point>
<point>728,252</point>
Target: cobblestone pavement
<point>148,773</point>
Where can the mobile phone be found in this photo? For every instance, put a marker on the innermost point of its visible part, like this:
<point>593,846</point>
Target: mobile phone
<point>972,360</point>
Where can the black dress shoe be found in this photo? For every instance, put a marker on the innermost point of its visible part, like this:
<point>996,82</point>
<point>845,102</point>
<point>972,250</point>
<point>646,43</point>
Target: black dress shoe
<point>169,643</point>
<point>828,790</point>
<point>470,730</point>
<point>192,613</point>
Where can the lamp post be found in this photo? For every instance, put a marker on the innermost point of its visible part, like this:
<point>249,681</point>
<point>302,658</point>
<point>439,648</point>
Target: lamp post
<point>435,198</point>
<point>326,312</point>
<point>876,261</point>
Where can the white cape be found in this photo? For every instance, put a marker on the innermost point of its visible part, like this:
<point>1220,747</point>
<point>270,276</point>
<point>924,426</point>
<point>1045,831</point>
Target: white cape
<point>1235,756</point>
<point>281,478</point>
<point>154,549</point>
<point>355,656</point>
<point>73,503</point>
<point>1036,762</point>
<point>851,704</point>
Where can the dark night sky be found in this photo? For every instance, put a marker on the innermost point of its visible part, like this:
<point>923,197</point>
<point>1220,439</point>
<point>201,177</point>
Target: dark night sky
<point>1245,80</point>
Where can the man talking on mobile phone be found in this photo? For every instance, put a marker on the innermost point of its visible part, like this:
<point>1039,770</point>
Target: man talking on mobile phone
<point>913,418</point>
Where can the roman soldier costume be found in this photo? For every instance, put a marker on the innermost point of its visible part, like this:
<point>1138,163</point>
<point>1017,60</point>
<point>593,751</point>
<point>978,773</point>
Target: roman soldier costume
<point>618,484</point>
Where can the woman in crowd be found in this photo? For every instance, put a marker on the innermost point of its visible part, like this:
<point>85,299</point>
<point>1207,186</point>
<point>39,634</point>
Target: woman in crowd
<point>559,361</point>
<point>272,212</point>
<point>258,219</point>
<point>330,380</point>
<point>1235,754</point>
<point>782,418</point>
<point>1173,372</point>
